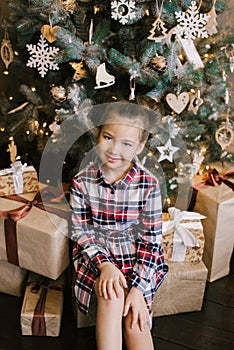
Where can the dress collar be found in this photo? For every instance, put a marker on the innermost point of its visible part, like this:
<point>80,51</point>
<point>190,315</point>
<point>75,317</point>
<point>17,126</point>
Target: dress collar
<point>122,183</point>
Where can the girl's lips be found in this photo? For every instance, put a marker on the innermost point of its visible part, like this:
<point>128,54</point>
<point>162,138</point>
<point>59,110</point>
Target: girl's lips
<point>112,159</point>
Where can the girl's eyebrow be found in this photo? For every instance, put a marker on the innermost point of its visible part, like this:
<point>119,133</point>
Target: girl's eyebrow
<point>107,133</point>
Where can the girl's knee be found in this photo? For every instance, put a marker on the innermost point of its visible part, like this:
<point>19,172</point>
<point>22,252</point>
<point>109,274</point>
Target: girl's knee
<point>127,327</point>
<point>133,332</point>
<point>115,304</point>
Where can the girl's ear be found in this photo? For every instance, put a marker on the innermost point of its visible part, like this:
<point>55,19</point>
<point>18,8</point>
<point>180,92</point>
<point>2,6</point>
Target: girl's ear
<point>140,147</point>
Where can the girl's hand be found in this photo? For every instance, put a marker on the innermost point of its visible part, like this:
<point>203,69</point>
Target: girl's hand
<point>136,302</point>
<point>110,281</point>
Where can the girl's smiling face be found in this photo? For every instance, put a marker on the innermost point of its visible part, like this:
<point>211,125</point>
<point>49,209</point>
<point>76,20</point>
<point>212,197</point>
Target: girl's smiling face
<point>118,143</point>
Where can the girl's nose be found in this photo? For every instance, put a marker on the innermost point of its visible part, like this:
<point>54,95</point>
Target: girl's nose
<point>114,147</point>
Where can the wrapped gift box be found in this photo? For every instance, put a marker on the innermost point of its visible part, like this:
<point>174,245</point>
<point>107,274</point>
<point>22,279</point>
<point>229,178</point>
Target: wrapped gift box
<point>18,179</point>
<point>13,279</point>
<point>42,308</point>
<point>217,204</point>
<point>37,241</point>
<point>182,236</point>
<point>182,290</point>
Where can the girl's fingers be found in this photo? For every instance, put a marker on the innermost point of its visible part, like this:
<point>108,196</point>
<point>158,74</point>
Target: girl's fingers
<point>142,321</point>
<point>134,318</point>
<point>122,281</point>
<point>103,289</point>
<point>116,287</point>
<point>126,308</point>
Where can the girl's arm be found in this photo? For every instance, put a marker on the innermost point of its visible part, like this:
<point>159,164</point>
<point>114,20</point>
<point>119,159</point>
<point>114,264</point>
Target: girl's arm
<point>82,231</point>
<point>150,257</point>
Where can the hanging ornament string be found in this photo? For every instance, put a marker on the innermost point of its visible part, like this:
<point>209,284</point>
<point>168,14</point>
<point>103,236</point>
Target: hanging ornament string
<point>7,53</point>
<point>91,31</point>
<point>199,4</point>
<point>159,10</point>
<point>91,24</point>
<point>226,97</point>
<point>158,25</point>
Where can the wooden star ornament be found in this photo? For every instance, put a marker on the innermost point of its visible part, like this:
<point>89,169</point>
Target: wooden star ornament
<point>167,151</point>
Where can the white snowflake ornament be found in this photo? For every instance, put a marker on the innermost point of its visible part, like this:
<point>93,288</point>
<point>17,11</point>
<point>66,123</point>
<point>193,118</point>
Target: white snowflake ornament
<point>42,56</point>
<point>192,24</point>
<point>123,10</point>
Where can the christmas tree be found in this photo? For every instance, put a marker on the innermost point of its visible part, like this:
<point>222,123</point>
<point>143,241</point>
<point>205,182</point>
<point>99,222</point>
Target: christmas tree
<point>62,58</point>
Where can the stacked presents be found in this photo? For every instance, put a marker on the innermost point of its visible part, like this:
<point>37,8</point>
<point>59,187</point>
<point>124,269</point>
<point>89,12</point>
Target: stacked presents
<point>208,256</point>
<point>213,196</point>
<point>34,249</point>
<point>183,243</point>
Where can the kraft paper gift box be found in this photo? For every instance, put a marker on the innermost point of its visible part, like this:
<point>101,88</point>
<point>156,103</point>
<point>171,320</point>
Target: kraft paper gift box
<point>42,308</point>
<point>182,235</point>
<point>12,279</point>
<point>182,290</point>
<point>37,241</point>
<point>217,204</point>
<point>18,179</point>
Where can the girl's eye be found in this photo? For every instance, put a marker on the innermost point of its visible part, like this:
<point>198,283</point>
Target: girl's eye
<point>127,144</point>
<point>108,138</point>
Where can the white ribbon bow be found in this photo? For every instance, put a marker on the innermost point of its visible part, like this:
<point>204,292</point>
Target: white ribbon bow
<point>17,169</point>
<point>183,237</point>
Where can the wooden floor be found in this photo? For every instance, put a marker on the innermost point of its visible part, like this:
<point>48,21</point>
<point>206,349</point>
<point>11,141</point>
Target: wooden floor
<point>209,329</point>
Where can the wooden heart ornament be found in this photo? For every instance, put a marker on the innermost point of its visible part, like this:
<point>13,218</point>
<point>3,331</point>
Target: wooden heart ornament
<point>48,32</point>
<point>178,102</point>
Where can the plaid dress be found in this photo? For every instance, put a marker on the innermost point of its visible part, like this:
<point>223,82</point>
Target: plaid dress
<point>118,223</point>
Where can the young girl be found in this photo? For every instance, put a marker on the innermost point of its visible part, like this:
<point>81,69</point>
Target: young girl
<point>116,229</point>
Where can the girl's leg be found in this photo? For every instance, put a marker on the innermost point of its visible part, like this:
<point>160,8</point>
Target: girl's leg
<point>109,321</point>
<point>136,339</point>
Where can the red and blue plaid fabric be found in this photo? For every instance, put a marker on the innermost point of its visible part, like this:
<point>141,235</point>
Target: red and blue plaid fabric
<point>120,223</point>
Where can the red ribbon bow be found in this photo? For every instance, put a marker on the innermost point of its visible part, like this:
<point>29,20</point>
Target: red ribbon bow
<point>12,216</point>
<point>214,178</point>
<point>38,322</point>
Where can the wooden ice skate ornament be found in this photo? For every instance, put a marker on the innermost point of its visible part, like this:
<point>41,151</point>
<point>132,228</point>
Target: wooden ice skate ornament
<point>103,79</point>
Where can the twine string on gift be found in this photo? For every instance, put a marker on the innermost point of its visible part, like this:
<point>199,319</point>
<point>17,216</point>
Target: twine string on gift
<point>12,216</point>
<point>38,322</point>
